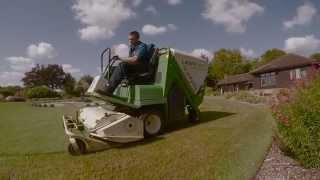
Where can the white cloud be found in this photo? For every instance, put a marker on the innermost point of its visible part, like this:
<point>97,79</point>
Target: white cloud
<point>10,78</point>
<point>305,14</point>
<point>70,69</point>
<point>150,29</point>
<point>95,33</point>
<point>302,45</point>
<point>174,2</point>
<point>136,2</point>
<point>100,18</point>
<point>250,53</point>
<point>41,51</point>
<point>121,50</point>
<point>202,52</point>
<point>172,27</point>
<point>16,60</point>
<point>20,64</point>
<point>232,14</point>
<point>14,67</point>
<point>151,9</point>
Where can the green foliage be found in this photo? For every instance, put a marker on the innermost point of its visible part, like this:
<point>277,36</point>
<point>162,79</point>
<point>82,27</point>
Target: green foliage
<point>315,56</point>
<point>83,84</point>
<point>298,115</point>
<point>41,92</point>
<point>9,90</point>
<point>228,62</point>
<point>86,78</point>
<point>52,76</point>
<point>270,55</point>
<point>69,85</point>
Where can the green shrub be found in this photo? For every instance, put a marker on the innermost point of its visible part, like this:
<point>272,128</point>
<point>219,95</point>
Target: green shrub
<point>41,92</point>
<point>298,119</point>
<point>9,90</point>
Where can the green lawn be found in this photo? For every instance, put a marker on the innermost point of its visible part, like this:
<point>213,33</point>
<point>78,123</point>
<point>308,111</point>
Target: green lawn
<point>229,143</point>
<point>30,130</point>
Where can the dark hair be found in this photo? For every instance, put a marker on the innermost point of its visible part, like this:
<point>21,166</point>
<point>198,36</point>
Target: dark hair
<point>135,33</point>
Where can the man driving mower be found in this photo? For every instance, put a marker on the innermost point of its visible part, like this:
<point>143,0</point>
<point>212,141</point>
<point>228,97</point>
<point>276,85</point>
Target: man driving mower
<point>137,62</point>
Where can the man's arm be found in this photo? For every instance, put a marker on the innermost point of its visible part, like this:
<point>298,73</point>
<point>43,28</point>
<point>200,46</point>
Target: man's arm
<point>131,60</point>
<point>140,53</point>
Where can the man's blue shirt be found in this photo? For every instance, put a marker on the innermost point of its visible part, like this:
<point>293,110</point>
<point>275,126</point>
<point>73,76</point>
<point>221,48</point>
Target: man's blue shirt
<point>139,50</point>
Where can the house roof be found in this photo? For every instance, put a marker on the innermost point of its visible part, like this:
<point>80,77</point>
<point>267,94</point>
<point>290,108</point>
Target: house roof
<point>236,79</point>
<point>285,62</point>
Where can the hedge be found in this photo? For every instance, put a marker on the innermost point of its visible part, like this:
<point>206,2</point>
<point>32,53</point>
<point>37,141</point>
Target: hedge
<point>42,92</point>
<point>298,119</point>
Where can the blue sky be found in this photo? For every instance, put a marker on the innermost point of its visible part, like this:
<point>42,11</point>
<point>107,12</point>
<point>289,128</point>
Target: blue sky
<point>74,32</point>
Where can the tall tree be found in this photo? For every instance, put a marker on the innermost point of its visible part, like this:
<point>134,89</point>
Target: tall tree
<point>228,62</point>
<point>52,76</point>
<point>69,84</point>
<point>83,84</point>
<point>86,78</point>
<point>315,56</point>
<point>270,55</point>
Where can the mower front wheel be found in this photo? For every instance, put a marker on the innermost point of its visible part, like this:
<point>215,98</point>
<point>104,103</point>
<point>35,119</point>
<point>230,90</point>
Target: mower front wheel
<point>193,115</point>
<point>76,147</point>
<point>153,123</point>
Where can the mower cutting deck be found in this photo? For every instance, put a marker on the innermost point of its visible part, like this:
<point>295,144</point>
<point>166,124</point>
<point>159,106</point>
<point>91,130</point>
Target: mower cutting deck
<point>174,84</point>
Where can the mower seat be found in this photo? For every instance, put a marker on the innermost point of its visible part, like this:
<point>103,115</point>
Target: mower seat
<point>149,76</point>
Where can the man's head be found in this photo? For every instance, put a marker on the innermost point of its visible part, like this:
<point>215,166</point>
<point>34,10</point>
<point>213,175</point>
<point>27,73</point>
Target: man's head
<point>134,37</point>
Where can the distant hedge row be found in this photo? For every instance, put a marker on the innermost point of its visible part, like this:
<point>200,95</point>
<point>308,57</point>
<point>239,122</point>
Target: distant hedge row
<point>41,92</point>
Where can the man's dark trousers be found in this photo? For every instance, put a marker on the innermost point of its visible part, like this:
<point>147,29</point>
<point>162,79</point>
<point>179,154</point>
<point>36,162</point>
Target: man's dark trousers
<point>123,71</point>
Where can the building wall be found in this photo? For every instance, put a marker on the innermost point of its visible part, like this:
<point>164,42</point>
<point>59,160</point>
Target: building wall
<point>236,87</point>
<point>282,79</point>
<point>256,82</point>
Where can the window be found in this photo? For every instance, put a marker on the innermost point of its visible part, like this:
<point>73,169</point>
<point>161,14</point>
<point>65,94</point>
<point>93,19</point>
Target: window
<point>298,74</point>
<point>268,79</point>
<point>292,75</point>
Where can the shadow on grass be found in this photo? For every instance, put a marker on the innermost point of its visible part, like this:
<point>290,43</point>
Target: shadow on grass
<point>205,117</point>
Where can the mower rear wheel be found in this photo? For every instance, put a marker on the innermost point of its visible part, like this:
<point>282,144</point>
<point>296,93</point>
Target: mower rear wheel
<point>153,124</point>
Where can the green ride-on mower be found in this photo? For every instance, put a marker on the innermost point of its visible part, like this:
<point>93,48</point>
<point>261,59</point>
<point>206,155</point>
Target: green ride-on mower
<point>143,105</point>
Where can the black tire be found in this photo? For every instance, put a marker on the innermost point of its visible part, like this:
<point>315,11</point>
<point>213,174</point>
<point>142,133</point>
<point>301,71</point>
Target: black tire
<point>80,150</point>
<point>71,150</point>
<point>193,116</point>
<point>153,123</point>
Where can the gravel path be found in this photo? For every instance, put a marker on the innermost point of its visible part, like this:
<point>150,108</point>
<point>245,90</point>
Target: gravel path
<point>277,166</point>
